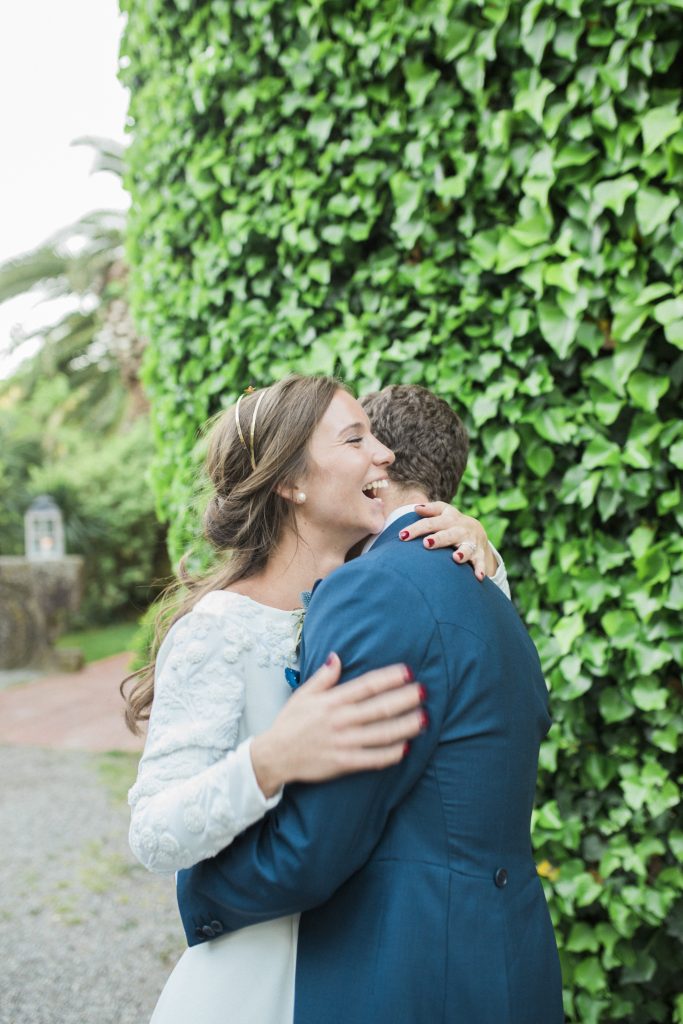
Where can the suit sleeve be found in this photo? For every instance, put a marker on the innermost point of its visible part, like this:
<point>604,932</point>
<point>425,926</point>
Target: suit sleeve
<point>319,835</point>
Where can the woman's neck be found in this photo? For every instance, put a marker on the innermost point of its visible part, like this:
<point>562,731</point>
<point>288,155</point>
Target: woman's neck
<point>292,568</point>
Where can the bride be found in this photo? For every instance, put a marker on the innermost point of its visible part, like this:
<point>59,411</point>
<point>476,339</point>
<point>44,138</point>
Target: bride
<point>225,735</point>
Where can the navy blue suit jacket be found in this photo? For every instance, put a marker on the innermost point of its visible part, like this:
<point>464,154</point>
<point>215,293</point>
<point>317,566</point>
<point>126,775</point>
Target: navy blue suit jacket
<point>421,900</point>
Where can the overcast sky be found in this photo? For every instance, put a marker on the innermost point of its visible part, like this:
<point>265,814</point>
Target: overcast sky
<point>58,63</point>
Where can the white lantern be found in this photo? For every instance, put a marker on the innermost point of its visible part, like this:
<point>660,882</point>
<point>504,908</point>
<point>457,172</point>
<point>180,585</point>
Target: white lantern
<point>44,530</point>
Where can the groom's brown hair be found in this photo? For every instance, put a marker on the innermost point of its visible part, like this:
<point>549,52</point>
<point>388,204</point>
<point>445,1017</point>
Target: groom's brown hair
<point>429,440</point>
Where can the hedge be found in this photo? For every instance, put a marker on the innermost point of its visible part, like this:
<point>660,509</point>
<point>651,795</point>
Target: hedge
<point>484,198</point>
<point>98,478</point>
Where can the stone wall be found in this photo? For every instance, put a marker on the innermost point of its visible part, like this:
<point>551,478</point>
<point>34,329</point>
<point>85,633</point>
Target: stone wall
<point>35,597</point>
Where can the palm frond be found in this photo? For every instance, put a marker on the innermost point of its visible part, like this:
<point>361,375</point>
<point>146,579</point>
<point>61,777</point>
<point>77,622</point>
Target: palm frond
<point>74,259</point>
<point>97,227</point>
<point>23,273</point>
<point>109,154</point>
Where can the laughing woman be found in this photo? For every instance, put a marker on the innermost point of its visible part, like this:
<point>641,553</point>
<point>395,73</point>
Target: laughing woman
<point>225,733</point>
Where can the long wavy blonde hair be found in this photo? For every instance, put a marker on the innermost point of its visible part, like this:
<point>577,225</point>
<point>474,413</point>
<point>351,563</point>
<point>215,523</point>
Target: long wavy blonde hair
<point>245,516</point>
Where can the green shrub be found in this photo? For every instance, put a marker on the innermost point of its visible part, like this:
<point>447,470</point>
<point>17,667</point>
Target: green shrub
<point>102,489</point>
<point>22,437</point>
<point>100,482</point>
<point>484,198</point>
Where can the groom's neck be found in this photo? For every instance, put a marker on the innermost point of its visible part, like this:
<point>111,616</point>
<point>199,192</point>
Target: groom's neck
<point>394,497</point>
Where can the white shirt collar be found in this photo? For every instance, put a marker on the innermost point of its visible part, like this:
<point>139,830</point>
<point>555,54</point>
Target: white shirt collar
<point>396,514</point>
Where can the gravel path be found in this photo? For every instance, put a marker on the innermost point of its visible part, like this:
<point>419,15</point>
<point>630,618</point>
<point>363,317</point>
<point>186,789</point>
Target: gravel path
<point>87,936</point>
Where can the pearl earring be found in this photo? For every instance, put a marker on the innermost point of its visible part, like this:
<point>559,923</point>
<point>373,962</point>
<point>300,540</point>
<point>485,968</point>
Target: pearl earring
<point>299,497</point>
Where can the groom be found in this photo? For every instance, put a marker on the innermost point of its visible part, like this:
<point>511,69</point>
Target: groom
<point>420,899</point>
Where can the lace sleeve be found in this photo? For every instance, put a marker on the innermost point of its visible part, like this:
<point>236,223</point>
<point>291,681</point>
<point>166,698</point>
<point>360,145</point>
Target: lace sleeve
<point>194,792</point>
<point>501,575</point>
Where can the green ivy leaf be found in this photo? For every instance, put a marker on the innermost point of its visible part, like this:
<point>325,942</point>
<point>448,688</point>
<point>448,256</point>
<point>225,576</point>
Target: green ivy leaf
<point>669,311</point>
<point>419,81</point>
<point>319,128</point>
<point>484,248</point>
<point>532,231</point>
<point>564,275</point>
<point>601,452</point>
<point>646,389</point>
<point>614,707</point>
<point>627,323</point>
<point>540,459</point>
<point>407,194</point>
<point>648,696</point>
<point>552,424</point>
<point>567,630</point>
<point>319,270</point>
<point>621,627</point>
<point>471,72</point>
<point>613,194</point>
<point>653,208</point>
<point>658,124</point>
<point>531,98</point>
<point>535,41</point>
<point>557,329</point>
<point>673,332</point>
<point>590,975</point>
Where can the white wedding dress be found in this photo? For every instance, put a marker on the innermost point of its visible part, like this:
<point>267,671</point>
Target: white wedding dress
<point>219,680</point>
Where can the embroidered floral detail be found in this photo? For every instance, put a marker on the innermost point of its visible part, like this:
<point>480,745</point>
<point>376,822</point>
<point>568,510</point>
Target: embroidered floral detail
<point>168,844</point>
<point>195,652</point>
<point>193,818</point>
<point>147,840</point>
<point>196,789</point>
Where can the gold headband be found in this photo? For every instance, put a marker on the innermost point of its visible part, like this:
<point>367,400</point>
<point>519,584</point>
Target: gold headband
<point>252,430</point>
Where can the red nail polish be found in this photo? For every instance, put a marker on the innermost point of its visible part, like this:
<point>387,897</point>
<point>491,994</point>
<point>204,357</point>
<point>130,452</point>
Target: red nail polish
<point>421,692</point>
<point>409,674</point>
<point>424,720</point>
<point>406,748</point>
<point>430,542</point>
<point>404,534</point>
<point>459,555</point>
<point>329,660</point>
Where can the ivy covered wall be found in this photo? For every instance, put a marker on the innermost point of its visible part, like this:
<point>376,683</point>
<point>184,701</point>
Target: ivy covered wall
<point>484,198</point>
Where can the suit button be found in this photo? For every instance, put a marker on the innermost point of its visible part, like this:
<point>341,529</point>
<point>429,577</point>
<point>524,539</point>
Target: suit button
<point>501,878</point>
<point>208,932</point>
<point>199,933</point>
<point>217,927</point>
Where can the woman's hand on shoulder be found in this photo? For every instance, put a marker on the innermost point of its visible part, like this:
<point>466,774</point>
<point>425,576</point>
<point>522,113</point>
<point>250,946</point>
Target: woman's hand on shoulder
<point>325,730</point>
<point>442,526</point>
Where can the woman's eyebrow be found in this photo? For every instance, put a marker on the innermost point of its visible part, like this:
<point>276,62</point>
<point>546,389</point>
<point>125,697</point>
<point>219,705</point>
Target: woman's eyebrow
<point>351,426</point>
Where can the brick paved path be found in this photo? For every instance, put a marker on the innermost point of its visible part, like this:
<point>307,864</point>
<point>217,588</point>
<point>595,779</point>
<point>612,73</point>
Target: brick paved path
<point>70,711</point>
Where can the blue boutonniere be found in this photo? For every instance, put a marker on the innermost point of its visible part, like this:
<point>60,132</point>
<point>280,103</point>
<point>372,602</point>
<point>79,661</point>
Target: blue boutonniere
<point>292,675</point>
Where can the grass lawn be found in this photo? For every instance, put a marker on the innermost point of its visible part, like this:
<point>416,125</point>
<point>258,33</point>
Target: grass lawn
<point>102,641</point>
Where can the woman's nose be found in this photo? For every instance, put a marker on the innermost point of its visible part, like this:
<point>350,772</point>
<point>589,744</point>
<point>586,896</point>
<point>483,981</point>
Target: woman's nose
<point>383,456</point>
